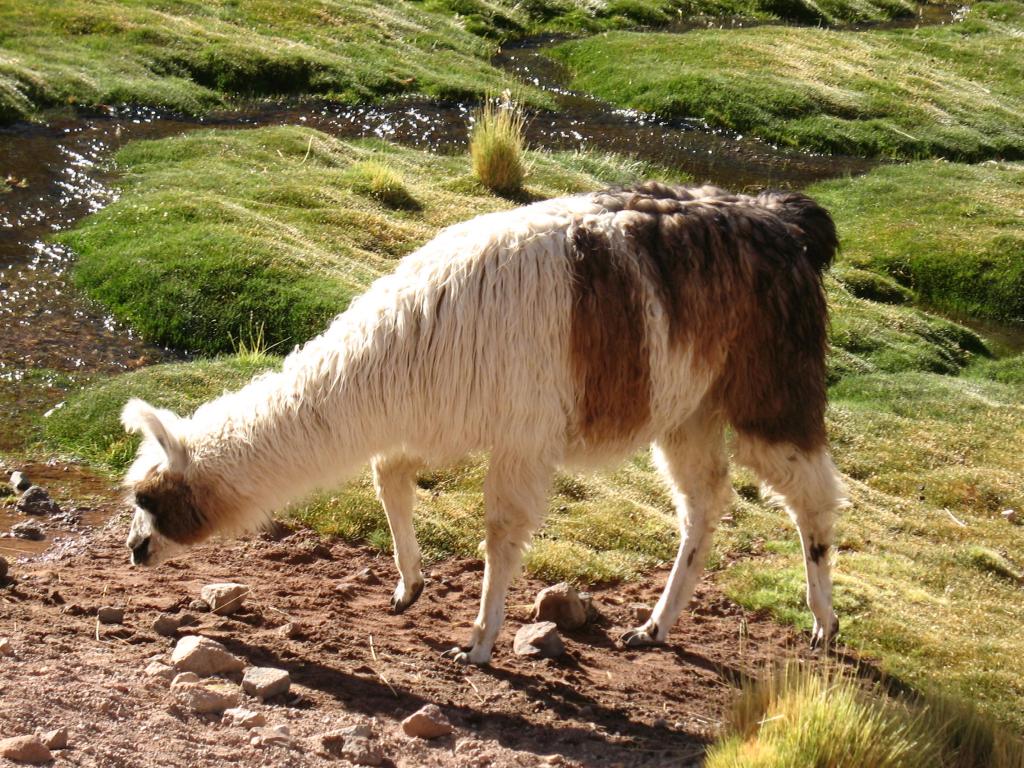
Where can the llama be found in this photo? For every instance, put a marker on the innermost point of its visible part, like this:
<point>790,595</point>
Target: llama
<point>567,333</point>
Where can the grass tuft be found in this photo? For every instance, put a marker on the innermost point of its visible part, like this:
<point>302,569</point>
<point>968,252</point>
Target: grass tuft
<point>382,182</point>
<point>990,561</point>
<point>497,144</point>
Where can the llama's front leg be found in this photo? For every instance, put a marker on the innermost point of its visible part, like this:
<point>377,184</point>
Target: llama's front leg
<point>514,495</point>
<point>693,461</point>
<point>395,481</point>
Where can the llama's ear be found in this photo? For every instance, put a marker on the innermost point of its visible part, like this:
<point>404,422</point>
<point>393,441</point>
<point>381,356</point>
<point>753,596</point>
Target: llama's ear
<point>140,416</point>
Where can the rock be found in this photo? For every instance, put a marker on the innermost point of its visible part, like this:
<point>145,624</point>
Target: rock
<point>361,751</point>
<point>36,501</point>
<point>562,605</point>
<point>427,722</point>
<point>539,641</point>
<point>368,577</point>
<point>205,657</point>
<point>239,717</point>
<point>27,530</point>
<point>25,749</point>
<point>205,697</point>
<point>161,670</point>
<point>224,598</point>
<point>640,612</point>
<point>199,605</point>
<point>291,630</point>
<point>6,649</point>
<point>3,568</point>
<point>110,615</point>
<point>184,678</point>
<point>275,735</point>
<point>265,682</point>
<point>20,481</point>
<point>166,625</point>
<point>1010,516</point>
<point>56,739</point>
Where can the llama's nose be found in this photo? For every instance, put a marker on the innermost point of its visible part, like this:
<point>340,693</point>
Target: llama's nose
<point>140,552</point>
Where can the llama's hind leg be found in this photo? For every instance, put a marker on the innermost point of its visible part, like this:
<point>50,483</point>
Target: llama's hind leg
<point>395,481</point>
<point>809,485</point>
<point>692,459</point>
<point>514,494</point>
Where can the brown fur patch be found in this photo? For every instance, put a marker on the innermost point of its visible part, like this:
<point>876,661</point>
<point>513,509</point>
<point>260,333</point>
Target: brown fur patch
<point>173,506</point>
<point>608,341</point>
<point>740,281</point>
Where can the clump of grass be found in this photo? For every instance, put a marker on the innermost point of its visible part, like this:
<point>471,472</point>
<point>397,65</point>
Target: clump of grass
<point>497,145</point>
<point>382,182</point>
<point>802,716</point>
<point>989,561</point>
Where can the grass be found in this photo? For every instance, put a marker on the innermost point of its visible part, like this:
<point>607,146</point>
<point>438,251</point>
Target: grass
<point>952,91</point>
<point>951,234</point>
<point>497,143</point>
<point>799,716</point>
<point>217,230</point>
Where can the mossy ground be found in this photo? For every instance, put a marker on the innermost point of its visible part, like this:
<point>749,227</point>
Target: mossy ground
<point>954,91</point>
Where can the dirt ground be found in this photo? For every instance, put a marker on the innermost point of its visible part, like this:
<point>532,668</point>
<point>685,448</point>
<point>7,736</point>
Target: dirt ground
<point>354,663</point>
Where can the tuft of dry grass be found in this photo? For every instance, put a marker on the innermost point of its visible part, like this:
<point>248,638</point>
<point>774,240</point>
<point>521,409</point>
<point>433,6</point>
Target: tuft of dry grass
<point>382,182</point>
<point>497,143</point>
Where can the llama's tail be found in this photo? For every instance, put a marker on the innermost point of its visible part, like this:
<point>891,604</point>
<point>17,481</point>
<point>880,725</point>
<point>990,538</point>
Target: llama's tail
<point>817,231</point>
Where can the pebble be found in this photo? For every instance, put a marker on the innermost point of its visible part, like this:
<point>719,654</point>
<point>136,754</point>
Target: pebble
<point>20,481</point>
<point>640,612</point>
<point>275,735</point>
<point>27,530</point>
<point>427,722</point>
<point>199,605</point>
<point>6,649</point>
<point>291,630</point>
<point>205,697</point>
<point>205,657</point>
<point>25,749</point>
<point>56,739</point>
<point>110,615</point>
<point>161,670</point>
<point>368,577</point>
<point>361,751</point>
<point>538,641</point>
<point>1010,515</point>
<point>562,605</point>
<point>266,682</point>
<point>224,598</point>
<point>184,678</point>
<point>166,625</point>
<point>239,717</point>
<point>36,501</point>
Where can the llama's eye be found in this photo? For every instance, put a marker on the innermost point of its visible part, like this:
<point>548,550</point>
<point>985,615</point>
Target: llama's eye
<point>145,501</point>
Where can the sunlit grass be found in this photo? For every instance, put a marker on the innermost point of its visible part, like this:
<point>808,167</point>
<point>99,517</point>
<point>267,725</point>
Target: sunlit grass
<point>497,145</point>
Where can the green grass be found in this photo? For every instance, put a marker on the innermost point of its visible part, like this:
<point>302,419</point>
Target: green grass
<point>497,144</point>
<point>955,91</point>
<point>218,231</point>
<point>800,716</point>
<point>952,234</point>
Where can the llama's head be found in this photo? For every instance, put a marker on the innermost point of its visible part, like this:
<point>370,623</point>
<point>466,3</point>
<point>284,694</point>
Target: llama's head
<point>169,508</point>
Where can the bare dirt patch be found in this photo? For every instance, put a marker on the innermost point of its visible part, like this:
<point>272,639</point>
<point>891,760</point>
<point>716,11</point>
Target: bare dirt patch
<point>351,663</point>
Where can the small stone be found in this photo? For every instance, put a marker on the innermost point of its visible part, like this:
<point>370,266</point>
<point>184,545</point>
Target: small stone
<point>427,722</point>
<point>538,641</point>
<point>27,530</point>
<point>640,612</point>
<point>184,678</point>
<point>291,630</point>
<point>205,697</point>
<point>36,501</point>
<point>361,751</point>
<point>20,481</point>
<point>205,657</point>
<point>161,670</point>
<point>562,605</point>
<point>25,749</point>
<point>166,625</point>
<point>6,649</point>
<point>110,615</point>
<point>56,739</point>
<point>368,577</point>
<point>332,740</point>
<point>1010,515</point>
<point>266,682</point>
<point>224,598</point>
<point>276,735</point>
<point>239,717</point>
<point>199,605</point>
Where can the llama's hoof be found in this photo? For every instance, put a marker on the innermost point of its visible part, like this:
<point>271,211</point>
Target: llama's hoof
<point>403,598</point>
<point>819,639</point>
<point>465,657</point>
<point>641,637</point>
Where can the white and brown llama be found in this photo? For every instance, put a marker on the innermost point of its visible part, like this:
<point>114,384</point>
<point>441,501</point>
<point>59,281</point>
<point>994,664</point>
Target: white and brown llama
<point>565,333</point>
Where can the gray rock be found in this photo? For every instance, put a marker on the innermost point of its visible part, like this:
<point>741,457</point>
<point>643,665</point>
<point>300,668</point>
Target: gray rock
<point>361,751</point>
<point>427,722</point>
<point>36,501</point>
<point>56,739</point>
<point>161,670</point>
<point>199,605</point>
<point>239,717</point>
<point>108,614</point>
<point>20,481</point>
<point>224,598</point>
<point>204,656</point>
<point>538,641</point>
<point>25,749</point>
<point>205,697</point>
<point>562,605</point>
<point>27,530</point>
<point>265,682</point>
<point>166,625</point>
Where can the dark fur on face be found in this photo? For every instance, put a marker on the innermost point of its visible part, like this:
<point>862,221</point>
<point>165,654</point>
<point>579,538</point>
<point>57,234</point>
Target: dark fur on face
<point>173,506</point>
<point>740,281</point>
